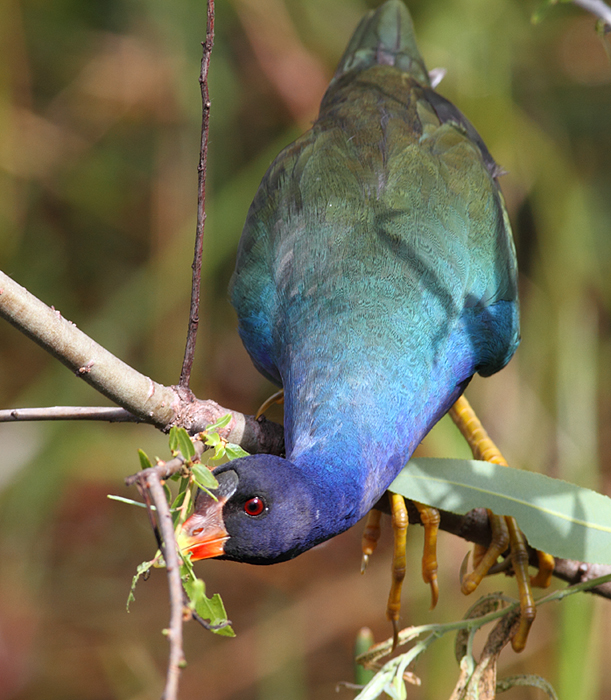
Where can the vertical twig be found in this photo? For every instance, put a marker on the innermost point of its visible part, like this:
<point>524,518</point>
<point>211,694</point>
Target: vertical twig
<point>185,374</point>
<point>170,555</point>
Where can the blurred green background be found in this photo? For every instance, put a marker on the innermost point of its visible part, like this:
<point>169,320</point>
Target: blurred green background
<point>99,139</point>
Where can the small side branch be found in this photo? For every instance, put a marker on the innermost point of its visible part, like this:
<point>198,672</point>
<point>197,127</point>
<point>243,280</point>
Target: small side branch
<point>598,8</point>
<point>185,375</point>
<point>100,413</point>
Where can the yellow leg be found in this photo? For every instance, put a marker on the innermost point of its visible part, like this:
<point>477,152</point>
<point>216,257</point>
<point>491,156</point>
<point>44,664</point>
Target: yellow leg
<point>473,431</point>
<point>371,535</point>
<point>400,522</point>
<point>278,397</point>
<point>430,520</point>
<point>504,530</point>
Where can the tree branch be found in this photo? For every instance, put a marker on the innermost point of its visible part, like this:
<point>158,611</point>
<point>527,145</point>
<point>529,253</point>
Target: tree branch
<point>138,395</point>
<point>141,396</point>
<point>185,374</point>
<point>150,481</point>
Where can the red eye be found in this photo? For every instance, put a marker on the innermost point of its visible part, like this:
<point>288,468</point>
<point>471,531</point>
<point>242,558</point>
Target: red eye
<point>254,506</point>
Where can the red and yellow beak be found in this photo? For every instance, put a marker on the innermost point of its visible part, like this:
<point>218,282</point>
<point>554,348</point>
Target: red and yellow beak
<point>204,537</point>
<point>203,534</point>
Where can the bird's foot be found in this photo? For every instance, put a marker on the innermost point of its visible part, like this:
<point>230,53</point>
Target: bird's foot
<point>400,520</point>
<point>505,531</point>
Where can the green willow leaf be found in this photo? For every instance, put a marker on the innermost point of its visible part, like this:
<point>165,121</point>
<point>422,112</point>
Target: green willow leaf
<point>173,439</point>
<point>220,423</point>
<point>184,443</point>
<point>145,462</point>
<point>557,517</point>
<point>204,478</point>
<point>234,451</point>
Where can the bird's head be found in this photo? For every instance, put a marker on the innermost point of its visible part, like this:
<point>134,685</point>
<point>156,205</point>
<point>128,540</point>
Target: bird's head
<point>266,511</point>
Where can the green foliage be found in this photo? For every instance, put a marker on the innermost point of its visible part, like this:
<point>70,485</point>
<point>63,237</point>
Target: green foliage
<point>142,570</point>
<point>199,475</point>
<point>211,609</point>
<point>180,443</point>
<point>557,517</point>
<point>145,462</point>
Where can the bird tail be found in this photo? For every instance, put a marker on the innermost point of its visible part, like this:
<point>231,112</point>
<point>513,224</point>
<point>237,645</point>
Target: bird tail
<point>384,37</point>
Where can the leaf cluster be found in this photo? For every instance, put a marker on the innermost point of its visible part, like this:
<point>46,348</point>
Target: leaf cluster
<point>196,473</point>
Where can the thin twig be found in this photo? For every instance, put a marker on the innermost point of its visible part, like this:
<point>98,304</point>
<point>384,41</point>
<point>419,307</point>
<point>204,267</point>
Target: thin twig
<point>102,413</point>
<point>170,555</point>
<point>598,8</point>
<point>185,374</point>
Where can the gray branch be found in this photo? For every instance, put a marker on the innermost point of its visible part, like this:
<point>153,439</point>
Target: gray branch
<point>140,397</point>
<point>103,413</point>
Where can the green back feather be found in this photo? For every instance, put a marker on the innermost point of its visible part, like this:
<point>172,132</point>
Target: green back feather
<point>385,37</point>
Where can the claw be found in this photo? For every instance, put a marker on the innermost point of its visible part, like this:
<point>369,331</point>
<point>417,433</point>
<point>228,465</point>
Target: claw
<point>543,578</point>
<point>519,558</point>
<point>371,535</point>
<point>499,543</point>
<point>430,520</point>
<point>464,567</point>
<point>395,634</point>
<point>278,397</point>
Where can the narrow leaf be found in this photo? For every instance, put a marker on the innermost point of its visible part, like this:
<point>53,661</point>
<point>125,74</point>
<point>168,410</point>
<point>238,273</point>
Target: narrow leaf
<point>185,445</point>
<point>173,439</point>
<point>145,462</point>
<point>234,451</point>
<point>204,478</point>
<point>220,423</point>
<point>557,517</point>
<point>128,500</point>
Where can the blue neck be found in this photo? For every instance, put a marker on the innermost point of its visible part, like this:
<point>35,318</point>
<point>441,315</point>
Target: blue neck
<point>353,423</point>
